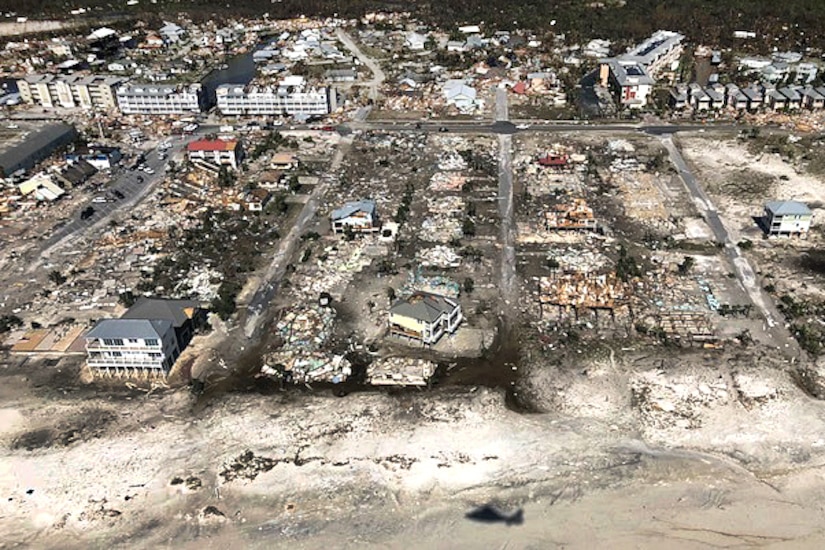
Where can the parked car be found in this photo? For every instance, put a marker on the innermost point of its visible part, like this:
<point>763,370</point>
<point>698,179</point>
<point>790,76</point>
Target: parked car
<point>87,213</point>
<point>118,194</point>
<point>100,200</point>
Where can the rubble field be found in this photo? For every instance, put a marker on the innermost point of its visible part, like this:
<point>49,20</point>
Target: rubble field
<point>791,269</point>
<point>611,246</point>
<point>439,192</point>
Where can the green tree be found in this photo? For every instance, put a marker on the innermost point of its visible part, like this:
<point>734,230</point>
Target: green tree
<point>8,322</point>
<point>127,299</point>
<point>686,265</point>
<point>57,278</point>
<point>226,178</point>
<point>469,285</point>
<point>626,266</point>
<point>224,304</point>
<point>468,227</point>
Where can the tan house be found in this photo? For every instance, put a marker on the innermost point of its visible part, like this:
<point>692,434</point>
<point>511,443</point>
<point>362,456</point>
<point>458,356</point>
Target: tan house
<point>424,317</point>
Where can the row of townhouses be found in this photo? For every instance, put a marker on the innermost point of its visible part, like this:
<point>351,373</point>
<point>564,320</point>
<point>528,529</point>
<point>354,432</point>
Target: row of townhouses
<point>750,98</point>
<point>290,97</point>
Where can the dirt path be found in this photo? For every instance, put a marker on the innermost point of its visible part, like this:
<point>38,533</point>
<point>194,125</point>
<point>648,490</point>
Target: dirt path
<point>268,285</point>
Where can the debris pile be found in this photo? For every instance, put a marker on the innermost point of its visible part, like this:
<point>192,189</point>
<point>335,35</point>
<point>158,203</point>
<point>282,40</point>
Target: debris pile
<point>444,222</point>
<point>573,216</point>
<point>305,328</point>
<point>686,327</point>
<point>451,161</point>
<point>335,266</point>
<point>583,290</point>
<point>400,371</point>
<point>247,466</point>
<point>754,390</point>
<point>447,181</point>
<point>576,259</point>
<point>304,367</point>
<point>642,198</point>
<point>666,402</point>
<point>300,360</point>
<point>433,284</point>
<point>439,256</point>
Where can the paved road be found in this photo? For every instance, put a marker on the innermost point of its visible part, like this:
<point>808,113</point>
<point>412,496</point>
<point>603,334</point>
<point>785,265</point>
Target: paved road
<point>269,284</point>
<point>503,126</point>
<point>377,74</point>
<point>509,284</point>
<point>742,268</point>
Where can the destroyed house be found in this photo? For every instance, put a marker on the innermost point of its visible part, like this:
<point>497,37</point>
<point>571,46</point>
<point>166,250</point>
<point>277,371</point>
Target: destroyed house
<point>582,291</point>
<point>424,317</point>
<point>575,216</point>
<point>257,199</point>
<point>358,216</point>
<point>100,157</point>
<point>553,160</point>
<point>787,218</point>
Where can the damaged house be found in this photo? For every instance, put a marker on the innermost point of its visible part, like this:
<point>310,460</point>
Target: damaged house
<point>356,216</point>
<point>424,317</point>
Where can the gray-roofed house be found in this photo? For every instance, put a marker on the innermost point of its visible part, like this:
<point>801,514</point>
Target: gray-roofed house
<point>185,315</point>
<point>132,347</point>
<point>776,100</point>
<point>424,317</point>
<point>146,341</point>
<point>812,99</point>
<point>735,99</point>
<point>716,95</point>
<point>679,96</point>
<point>793,96</point>
<point>787,219</point>
<point>755,97</point>
<point>358,216</point>
<point>699,99</point>
<point>36,146</point>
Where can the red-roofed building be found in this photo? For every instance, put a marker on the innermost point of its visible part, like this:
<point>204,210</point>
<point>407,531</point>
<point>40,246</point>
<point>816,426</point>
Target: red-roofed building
<point>520,88</point>
<point>216,151</point>
<point>554,160</point>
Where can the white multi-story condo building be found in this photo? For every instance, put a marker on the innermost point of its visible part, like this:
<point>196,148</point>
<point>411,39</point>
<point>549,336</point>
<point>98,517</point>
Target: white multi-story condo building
<point>631,76</point>
<point>70,91</point>
<point>160,99</point>
<point>286,99</point>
